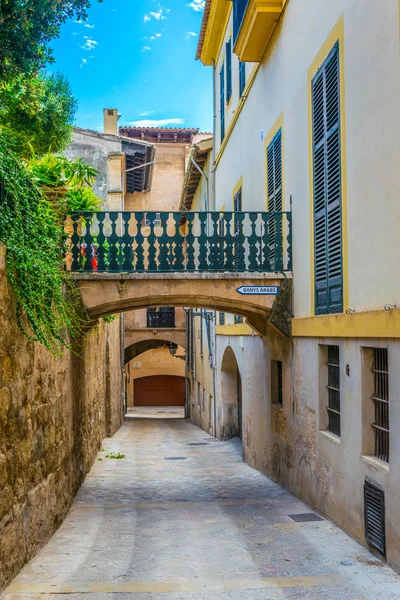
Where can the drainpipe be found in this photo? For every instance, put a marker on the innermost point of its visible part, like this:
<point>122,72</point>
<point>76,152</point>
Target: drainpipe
<point>205,177</point>
<point>214,138</point>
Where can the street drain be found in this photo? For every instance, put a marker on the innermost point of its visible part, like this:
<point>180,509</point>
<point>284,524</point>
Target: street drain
<point>198,444</point>
<point>305,517</point>
<point>175,458</point>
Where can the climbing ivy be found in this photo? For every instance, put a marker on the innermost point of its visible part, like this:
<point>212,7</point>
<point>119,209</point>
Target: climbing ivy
<point>32,231</point>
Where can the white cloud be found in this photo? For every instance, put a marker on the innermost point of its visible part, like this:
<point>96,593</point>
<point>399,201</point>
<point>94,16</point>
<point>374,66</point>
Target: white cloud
<point>85,24</point>
<point>147,113</point>
<point>190,34</point>
<point>197,5</point>
<point>145,49</point>
<point>154,37</point>
<point>159,15</point>
<point>89,44</point>
<point>156,123</point>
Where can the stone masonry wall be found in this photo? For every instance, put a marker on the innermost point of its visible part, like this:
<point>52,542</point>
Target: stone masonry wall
<point>54,413</point>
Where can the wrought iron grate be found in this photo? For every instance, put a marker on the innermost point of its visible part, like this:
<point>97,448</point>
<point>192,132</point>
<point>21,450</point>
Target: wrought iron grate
<point>374,513</point>
<point>199,444</point>
<point>333,386</point>
<point>305,517</point>
<point>381,400</point>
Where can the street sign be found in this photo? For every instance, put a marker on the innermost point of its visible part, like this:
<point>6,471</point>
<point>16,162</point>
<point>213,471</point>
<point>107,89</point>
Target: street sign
<point>258,290</point>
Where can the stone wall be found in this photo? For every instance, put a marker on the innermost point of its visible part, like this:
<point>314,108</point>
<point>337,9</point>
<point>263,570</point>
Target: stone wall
<point>54,413</point>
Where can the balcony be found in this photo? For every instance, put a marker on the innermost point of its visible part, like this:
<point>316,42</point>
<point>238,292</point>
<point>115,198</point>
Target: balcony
<point>178,242</point>
<point>254,22</point>
<point>163,318</point>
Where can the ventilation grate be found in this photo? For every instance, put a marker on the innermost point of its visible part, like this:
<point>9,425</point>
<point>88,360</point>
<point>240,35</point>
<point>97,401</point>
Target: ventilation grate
<point>305,517</point>
<point>374,513</point>
<point>198,444</point>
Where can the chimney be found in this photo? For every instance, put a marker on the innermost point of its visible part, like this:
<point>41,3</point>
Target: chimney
<point>111,117</point>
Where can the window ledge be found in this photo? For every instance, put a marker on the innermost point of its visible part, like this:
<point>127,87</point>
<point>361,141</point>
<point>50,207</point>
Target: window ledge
<point>376,462</point>
<point>331,437</point>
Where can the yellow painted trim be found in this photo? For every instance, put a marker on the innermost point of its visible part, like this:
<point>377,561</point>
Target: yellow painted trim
<point>257,29</point>
<point>336,35</point>
<point>236,114</point>
<point>374,324</point>
<point>234,329</point>
<point>236,189</point>
<point>218,20</point>
<point>274,130</point>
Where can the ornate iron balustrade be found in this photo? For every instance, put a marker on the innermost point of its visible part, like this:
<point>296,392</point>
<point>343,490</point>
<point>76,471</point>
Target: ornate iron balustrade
<point>151,242</point>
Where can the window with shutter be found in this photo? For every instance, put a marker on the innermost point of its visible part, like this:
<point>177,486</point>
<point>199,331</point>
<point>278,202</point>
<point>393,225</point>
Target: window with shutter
<point>327,186</point>
<point>237,207</point>
<point>222,100</point>
<point>275,195</point>
<point>242,77</point>
<point>228,50</point>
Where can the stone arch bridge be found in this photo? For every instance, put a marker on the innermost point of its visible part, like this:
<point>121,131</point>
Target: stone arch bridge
<point>237,263</point>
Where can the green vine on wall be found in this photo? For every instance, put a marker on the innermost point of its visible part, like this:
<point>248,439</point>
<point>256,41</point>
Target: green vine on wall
<point>32,232</point>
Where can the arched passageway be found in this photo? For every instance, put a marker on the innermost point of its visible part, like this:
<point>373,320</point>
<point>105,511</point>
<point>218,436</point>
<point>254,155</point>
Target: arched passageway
<point>230,412</point>
<point>135,350</point>
<point>105,293</point>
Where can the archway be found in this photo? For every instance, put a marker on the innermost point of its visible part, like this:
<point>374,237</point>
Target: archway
<point>230,421</point>
<point>155,376</point>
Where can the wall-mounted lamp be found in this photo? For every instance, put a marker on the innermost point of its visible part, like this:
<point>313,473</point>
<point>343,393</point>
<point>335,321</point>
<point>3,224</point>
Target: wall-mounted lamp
<point>172,350</point>
<point>390,306</point>
<point>350,310</point>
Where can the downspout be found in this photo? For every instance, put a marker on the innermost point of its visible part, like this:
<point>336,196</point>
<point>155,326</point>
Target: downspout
<point>205,177</point>
<point>214,207</point>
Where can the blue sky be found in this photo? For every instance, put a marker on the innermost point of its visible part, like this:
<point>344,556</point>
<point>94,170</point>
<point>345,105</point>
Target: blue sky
<point>137,56</point>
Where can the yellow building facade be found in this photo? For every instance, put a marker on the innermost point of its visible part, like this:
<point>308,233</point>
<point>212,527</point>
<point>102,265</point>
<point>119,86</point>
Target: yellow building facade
<point>306,97</point>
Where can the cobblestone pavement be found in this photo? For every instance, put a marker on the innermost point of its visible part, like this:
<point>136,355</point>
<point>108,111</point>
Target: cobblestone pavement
<point>182,518</point>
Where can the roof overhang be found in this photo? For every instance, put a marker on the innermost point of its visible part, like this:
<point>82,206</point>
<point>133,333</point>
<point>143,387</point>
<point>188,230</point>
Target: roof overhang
<point>199,154</point>
<point>215,19</point>
<point>138,156</point>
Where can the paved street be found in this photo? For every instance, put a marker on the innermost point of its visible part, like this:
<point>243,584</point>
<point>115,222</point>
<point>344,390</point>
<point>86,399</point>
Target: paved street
<point>181,517</point>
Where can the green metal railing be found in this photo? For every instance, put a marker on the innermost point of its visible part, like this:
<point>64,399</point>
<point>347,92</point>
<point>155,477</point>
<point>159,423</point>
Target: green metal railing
<point>151,242</point>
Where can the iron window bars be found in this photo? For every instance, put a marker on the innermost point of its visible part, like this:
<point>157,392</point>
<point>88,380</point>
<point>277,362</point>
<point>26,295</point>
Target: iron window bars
<point>381,401</point>
<point>333,387</point>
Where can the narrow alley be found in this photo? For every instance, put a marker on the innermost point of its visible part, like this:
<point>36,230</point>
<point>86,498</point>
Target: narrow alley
<point>180,516</point>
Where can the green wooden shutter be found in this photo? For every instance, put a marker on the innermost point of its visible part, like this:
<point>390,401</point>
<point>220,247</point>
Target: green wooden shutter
<point>327,187</point>
<point>242,77</point>
<point>275,197</point>
<point>228,53</point>
<point>222,100</point>
<point>237,207</point>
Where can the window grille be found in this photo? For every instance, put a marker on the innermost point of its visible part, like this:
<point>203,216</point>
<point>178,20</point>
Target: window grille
<point>161,317</point>
<point>333,387</point>
<point>222,318</point>
<point>381,400</point>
